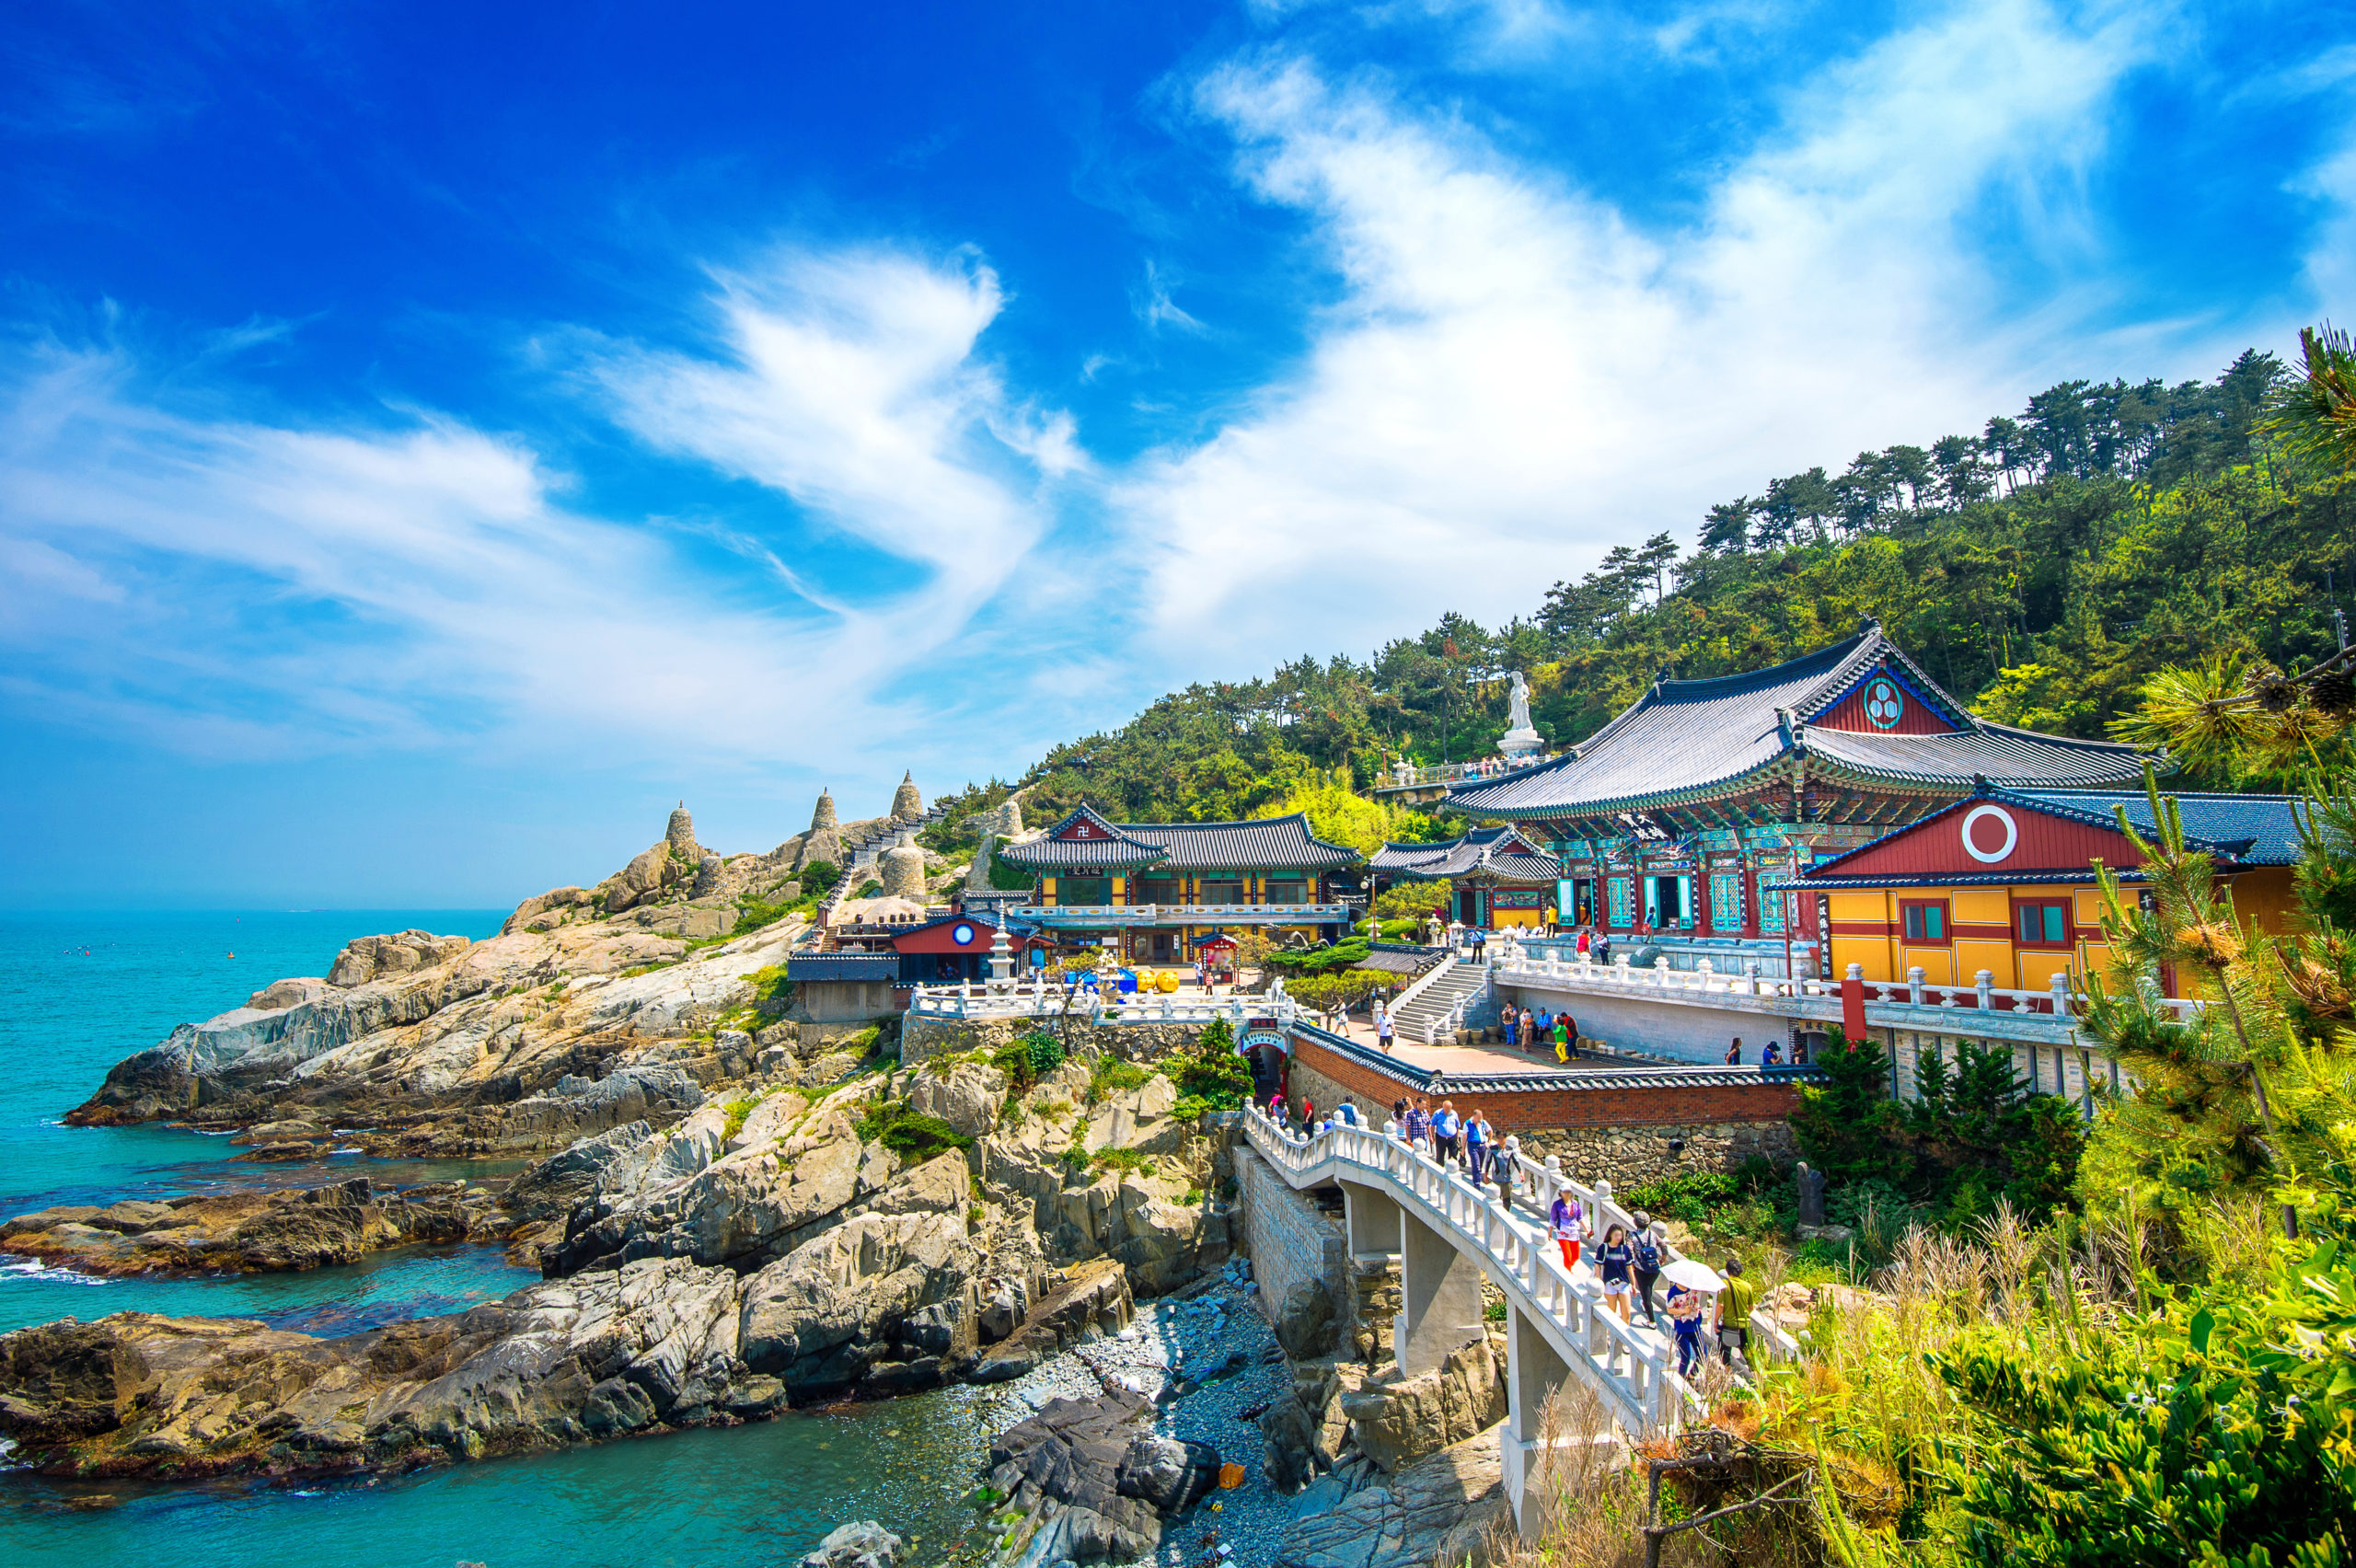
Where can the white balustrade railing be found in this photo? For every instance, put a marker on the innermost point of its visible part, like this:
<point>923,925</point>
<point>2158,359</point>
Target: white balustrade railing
<point>1183,914</point>
<point>1914,1004</point>
<point>983,999</point>
<point>1634,1367</point>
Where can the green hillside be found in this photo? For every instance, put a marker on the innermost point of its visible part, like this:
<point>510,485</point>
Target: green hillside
<point>2042,569</point>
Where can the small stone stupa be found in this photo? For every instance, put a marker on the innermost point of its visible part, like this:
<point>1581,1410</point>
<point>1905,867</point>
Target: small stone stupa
<point>907,805</point>
<point>824,817</point>
<point>903,872</point>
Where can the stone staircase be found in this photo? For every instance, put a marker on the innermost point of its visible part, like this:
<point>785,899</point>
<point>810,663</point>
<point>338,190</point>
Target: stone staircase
<point>1424,1017</point>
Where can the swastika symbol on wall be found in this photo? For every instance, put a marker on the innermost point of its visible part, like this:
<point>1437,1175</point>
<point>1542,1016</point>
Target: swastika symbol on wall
<point>1884,703</point>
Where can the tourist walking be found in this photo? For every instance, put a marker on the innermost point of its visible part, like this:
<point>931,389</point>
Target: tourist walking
<point>1562,1037</point>
<point>1447,1130</point>
<point>1799,1052</point>
<point>1399,1114</point>
<point>1346,1113</point>
<point>1616,1259</point>
<point>1732,1317</point>
<point>1685,1326</point>
<point>1476,1145</point>
<point>1308,1114</point>
<point>1526,1021</point>
<point>1419,1125</point>
<point>1603,947</point>
<point>1586,940</point>
<point>1734,1052</point>
<point>1570,1031</point>
<point>1648,1262</point>
<point>1512,1026</point>
<point>1568,1223</point>
<point>1382,1029</point>
<point>1773,1056</point>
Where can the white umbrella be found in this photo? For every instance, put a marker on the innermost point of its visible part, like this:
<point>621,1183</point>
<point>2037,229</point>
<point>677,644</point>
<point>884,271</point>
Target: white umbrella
<point>1693,1274</point>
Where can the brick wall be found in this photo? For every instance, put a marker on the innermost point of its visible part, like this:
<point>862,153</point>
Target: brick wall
<point>1289,1238</point>
<point>1327,1076</point>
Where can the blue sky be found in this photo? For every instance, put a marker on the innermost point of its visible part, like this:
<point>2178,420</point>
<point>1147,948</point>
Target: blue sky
<point>434,438</point>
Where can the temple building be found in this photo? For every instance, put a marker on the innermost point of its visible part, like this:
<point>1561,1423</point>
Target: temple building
<point>1669,820</point>
<point>1158,889</point>
<point>1498,877</point>
<point>2003,881</point>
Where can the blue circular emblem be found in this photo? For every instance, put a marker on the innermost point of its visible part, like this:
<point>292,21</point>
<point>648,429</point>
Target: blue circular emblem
<point>1884,703</point>
<point>962,934</point>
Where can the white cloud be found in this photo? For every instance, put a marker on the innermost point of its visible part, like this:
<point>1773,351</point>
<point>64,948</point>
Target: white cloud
<point>1514,378</point>
<point>235,588</point>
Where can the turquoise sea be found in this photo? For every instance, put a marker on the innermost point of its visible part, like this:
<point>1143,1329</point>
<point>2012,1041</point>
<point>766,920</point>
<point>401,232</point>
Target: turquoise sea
<point>80,992</point>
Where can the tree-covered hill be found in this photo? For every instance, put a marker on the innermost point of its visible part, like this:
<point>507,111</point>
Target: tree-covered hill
<point>2042,569</point>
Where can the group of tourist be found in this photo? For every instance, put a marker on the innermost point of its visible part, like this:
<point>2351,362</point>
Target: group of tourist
<point>1629,1268</point>
<point>1772,1055</point>
<point>1536,1031</point>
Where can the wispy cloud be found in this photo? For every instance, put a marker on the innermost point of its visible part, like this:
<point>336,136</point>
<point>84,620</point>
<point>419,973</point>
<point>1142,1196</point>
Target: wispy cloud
<point>1516,377</point>
<point>233,588</point>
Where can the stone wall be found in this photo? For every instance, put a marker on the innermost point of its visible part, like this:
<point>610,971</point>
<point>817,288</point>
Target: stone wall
<point>1627,1157</point>
<point>922,1039</point>
<point>1289,1240</point>
<point>1680,1025</point>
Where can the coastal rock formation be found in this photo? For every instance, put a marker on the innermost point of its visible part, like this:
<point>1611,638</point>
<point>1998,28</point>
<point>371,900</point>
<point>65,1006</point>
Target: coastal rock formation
<point>251,1231</point>
<point>1088,1477</point>
<point>365,958</point>
<point>1449,1508</point>
<point>908,805</point>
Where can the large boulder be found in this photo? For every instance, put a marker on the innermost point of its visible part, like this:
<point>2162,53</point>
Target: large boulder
<point>815,1317</point>
<point>1396,1421</point>
<point>968,1097</point>
<point>1449,1508</point>
<point>1306,1322</point>
<point>404,953</point>
<point>1074,1454</point>
<point>865,1544</point>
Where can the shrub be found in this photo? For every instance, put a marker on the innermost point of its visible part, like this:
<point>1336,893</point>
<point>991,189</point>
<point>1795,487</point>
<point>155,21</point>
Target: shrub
<point>868,888</point>
<point>1210,1076</point>
<point>1413,899</point>
<point>1028,1059</point>
<point>1688,1198</point>
<point>908,1131</point>
<point>820,876</point>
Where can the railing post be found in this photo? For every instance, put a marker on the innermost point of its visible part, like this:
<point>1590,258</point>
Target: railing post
<point>1984,984</point>
<point>1914,984</point>
<point>2060,985</point>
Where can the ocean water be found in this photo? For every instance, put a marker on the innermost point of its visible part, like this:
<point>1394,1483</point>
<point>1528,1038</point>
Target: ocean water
<point>80,992</point>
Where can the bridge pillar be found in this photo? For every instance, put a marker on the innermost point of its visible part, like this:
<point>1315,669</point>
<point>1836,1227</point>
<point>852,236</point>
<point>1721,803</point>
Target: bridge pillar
<point>1533,1371</point>
<point>1373,1217</point>
<point>1439,1290</point>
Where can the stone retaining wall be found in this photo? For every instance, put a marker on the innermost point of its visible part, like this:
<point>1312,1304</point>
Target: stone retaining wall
<point>1628,1156</point>
<point>1289,1240</point>
<point>924,1038</point>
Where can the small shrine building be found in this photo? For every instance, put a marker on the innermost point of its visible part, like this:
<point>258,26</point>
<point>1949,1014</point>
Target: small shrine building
<point>1674,817</point>
<point>1499,877</point>
<point>1158,889</point>
<point>2004,880</point>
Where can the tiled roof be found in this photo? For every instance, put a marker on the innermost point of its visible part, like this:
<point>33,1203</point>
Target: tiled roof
<point>1106,847</point>
<point>2257,830</point>
<point>802,968</point>
<point>1268,843</point>
<point>1694,740</point>
<point>1499,852</point>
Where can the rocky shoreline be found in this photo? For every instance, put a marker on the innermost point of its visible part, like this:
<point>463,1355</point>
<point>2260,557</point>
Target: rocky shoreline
<point>732,1216</point>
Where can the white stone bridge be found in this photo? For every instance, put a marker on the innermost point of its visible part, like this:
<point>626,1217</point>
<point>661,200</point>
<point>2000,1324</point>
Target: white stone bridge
<point>1448,1235</point>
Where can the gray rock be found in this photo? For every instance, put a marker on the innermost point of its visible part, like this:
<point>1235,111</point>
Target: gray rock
<point>1447,1508</point>
<point>863,1545</point>
<point>1171,1475</point>
<point>1305,1325</point>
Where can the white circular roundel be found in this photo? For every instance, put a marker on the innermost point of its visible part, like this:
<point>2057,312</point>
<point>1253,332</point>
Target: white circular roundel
<point>1884,702</point>
<point>1972,838</point>
<point>962,934</point>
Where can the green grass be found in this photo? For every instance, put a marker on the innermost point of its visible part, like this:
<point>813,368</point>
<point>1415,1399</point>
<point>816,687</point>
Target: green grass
<point>737,1111</point>
<point>1112,1075</point>
<point>1123,1160</point>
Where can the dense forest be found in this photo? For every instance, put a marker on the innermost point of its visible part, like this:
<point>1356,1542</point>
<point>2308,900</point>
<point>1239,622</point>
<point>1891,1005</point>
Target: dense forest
<point>2043,570</point>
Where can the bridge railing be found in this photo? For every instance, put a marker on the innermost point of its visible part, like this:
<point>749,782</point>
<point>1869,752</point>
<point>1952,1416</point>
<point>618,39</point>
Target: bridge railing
<point>1633,1370</point>
<point>982,999</point>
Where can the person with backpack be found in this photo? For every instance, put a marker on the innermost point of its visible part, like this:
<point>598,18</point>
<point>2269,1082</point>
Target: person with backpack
<point>1650,1256</point>
<point>1615,1260</point>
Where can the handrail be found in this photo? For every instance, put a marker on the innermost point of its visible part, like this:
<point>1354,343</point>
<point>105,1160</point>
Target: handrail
<point>1631,1367</point>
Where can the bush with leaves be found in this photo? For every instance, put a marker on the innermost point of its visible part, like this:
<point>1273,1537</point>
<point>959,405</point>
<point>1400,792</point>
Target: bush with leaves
<point>2217,1431</point>
<point>908,1131</point>
<point>1027,1058</point>
<point>1209,1074</point>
